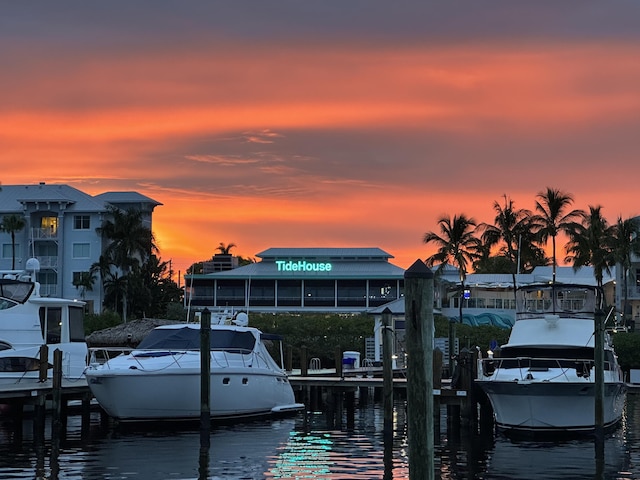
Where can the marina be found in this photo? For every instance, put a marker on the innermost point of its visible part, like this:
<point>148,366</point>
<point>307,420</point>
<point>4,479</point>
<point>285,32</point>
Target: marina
<point>309,445</point>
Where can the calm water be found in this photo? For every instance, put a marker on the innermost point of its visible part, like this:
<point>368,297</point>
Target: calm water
<point>312,447</point>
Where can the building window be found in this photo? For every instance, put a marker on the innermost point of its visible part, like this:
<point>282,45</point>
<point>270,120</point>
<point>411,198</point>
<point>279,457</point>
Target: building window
<point>382,291</point>
<point>319,293</point>
<point>262,293</point>
<point>352,293</point>
<point>230,293</point>
<point>289,293</point>
<point>81,250</point>
<point>81,222</point>
<point>7,250</point>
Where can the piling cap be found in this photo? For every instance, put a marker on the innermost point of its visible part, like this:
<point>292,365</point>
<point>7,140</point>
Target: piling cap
<point>418,270</point>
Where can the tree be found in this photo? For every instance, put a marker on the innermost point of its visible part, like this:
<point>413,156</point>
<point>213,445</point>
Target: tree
<point>225,249</point>
<point>551,219</point>
<point>590,243</point>
<point>130,245</point>
<point>12,224</point>
<point>625,243</point>
<point>458,247</point>
<point>509,226</point>
<point>84,282</point>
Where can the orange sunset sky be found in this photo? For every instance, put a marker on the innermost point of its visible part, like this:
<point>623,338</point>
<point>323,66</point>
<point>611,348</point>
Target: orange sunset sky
<point>322,124</point>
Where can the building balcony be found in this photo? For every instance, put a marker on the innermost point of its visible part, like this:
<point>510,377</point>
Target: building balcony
<point>44,233</point>
<point>48,261</point>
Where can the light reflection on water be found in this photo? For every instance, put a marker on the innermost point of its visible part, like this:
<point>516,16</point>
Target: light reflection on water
<point>312,447</point>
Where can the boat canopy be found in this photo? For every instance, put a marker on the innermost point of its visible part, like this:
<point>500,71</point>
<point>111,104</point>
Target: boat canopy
<point>187,338</point>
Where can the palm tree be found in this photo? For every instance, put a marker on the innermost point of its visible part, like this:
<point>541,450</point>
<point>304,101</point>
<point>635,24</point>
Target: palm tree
<point>509,227</point>
<point>456,246</point>
<point>225,249</point>
<point>131,243</point>
<point>625,243</point>
<point>551,218</point>
<point>84,282</point>
<point>590,243</point>
<point>12,224</point>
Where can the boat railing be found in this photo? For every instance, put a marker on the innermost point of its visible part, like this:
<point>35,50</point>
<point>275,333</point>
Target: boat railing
<point>526,365</point>
<point>222,357</point>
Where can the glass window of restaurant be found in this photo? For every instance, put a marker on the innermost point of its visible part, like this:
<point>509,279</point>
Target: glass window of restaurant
<point>382,291</point>
<point>352,293</point>
<point>289,293</point>
<point>319,293</point>
<point>262,293</point>
<point>230,293</point>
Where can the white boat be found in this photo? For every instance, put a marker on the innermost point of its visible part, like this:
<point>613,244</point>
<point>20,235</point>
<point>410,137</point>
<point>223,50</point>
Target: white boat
<point>543,379</point>
<point>28,321</point>
<point>161,378</point>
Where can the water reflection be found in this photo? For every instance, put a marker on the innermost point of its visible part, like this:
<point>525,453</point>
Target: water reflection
<point>311,447</point>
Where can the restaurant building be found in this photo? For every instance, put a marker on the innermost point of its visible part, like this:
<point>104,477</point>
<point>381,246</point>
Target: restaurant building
<point>332,280</point>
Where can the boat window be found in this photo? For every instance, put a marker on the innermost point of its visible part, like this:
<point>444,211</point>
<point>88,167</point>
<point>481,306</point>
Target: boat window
<point>76,324</point>
<point>4,346</point>
<point>14,292</point>
<point>51,323</point>
<point>19,364</point>
<point>189,339</point>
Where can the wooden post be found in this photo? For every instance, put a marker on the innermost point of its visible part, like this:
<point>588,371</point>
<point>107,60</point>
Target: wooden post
<point>304,364</point>
<point>599,375</point>
<point>338,354</point>
<point>418,285</point>
<point>205,379</point>
<point>44,363</point>
<point>57,390</point>
<point>437,384</point>
<point>387,374</point>
<point>289,359</point>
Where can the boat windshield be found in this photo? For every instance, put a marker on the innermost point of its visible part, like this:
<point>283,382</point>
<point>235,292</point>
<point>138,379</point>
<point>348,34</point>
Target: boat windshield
<point>13,292</point>
<point>571,300</point>
<point>189,339</point>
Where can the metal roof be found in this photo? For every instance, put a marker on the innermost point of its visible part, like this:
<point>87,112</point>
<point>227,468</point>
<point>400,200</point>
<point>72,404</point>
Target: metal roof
<point>325,253</point>
<point>12,197</point>
<point>340,269</point>
<point>125,197</point>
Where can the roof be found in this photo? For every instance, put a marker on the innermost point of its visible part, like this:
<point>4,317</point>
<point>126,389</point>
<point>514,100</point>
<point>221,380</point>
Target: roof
<point>125,197</point>
<point>326,253</point>
<point>12,197</point>
<point>339,269</point>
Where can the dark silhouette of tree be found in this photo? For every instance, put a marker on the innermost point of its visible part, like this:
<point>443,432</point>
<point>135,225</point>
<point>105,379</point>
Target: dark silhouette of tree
<point>552,219</point>
<point>590,243</point>
<point>12,224</point>
<point>456,246</point>
<point>509,227</point>
<point>625,243</point>
<point>130,245</point>
<point>225,249</point>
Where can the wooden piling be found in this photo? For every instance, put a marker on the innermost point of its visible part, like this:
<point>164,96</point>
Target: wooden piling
<point>599,376</point>
<point>418,282</point>
<point>44,363</point>
<point>205,380</point>
<point>387,373</point>
<point>56,394</point>
<point>338,354</point>
<point>304,364</point>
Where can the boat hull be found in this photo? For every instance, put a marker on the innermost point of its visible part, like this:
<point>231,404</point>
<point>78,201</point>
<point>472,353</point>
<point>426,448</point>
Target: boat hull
<point>550,407</point>
<point>175,395</point>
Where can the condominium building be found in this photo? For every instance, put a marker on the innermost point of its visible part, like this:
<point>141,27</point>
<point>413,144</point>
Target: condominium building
<point>60,231</point>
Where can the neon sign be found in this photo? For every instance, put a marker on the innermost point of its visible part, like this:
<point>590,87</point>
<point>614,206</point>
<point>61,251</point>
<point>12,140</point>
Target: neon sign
<point>302,266</point>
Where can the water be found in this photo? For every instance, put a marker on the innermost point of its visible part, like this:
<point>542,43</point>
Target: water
<point>311,447</point>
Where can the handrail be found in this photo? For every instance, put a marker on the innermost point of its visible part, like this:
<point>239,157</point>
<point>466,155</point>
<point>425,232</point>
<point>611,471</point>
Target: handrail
<point>491,366</point>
